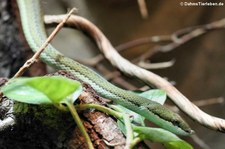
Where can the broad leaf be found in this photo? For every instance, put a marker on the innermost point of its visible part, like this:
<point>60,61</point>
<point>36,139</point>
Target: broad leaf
<point>154,95</point>
<point>170,140</point>
<point>42,90</point>
<point>178,145</point>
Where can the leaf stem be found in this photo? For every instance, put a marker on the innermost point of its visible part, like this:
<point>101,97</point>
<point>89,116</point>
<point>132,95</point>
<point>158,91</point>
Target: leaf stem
<point>100,108</point>
<point>79,124</point>
<point>135,142</point>
<point>128,126</point>
<point>129,130</point>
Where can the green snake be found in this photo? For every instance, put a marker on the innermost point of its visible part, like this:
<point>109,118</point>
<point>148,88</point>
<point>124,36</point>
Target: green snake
<point>35,34</point>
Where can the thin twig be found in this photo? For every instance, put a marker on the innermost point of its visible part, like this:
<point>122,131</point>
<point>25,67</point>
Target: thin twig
<point>150,78</point>
<point>199,141</point>
<point>143,8</point>
<point>184,35</point>
<point>142,41</point>
<point>161,65</point>
<point>35,57</point>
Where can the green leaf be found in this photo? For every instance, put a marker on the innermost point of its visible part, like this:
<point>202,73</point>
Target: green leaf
<point>170,140</point>
<point>42,90</point>
<point>154,95</point>
<point>178,145</point>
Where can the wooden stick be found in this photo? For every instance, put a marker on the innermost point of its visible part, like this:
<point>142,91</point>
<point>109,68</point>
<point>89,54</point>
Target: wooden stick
<point>36,56</point>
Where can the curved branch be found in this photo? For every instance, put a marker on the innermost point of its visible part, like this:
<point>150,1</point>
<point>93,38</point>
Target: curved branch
<point>150,78</point>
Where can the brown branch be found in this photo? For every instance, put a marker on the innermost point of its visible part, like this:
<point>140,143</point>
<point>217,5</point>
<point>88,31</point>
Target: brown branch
<point>35,57</point>
<point>150,78</point>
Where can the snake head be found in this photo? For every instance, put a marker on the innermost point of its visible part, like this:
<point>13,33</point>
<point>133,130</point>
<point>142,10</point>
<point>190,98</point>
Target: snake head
<point>173,120</point>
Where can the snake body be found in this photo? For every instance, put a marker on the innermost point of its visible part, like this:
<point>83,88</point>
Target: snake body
<point>34,31</point>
